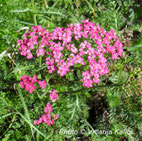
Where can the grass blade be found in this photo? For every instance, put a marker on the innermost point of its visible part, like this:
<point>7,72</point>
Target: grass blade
<point>31,125</point>
<point>24,105</point>
<point>53,13</point>
<point>91,7</point>
<point>4,116</point>
<point>27,23</point>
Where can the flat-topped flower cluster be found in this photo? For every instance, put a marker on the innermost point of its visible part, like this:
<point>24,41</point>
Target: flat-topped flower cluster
<point>82,43</point>
<point>28,82</point>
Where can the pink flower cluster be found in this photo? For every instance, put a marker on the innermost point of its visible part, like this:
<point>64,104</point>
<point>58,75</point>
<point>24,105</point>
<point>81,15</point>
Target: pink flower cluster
<point>53,95</point>
<point>84,43</point>
<point>27,83</point>
<point>31,42</point>
<point>46,117</point>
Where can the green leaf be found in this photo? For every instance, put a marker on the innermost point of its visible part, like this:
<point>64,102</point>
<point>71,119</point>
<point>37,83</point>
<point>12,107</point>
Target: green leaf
<point>113,98</point>
<point>6,138</point>
<point>3,54</point>
<point>123,76</point>
<point>20,11</point>
<point>114,78</point>
<point>70,76</point>
<point>136,47</point>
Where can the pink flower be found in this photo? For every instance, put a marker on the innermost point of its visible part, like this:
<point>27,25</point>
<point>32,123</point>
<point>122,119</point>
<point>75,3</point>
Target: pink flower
<point>40,51</point>
<point>27,83</point>
<point>34,79</point>
<point>63,70</point>
<point>29,55</point>
<point>22,84</point>
<point>53,96</point>
<point>42,84</point>
<point>30,87</point>
<point>35,122</point>
<point>48,108</point>
<point>73,48</point>
<point>56,117</point>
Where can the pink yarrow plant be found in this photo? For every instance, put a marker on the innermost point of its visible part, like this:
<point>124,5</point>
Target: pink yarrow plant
<point>82,44</point>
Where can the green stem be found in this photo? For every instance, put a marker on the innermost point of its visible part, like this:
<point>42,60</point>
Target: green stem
<point>86,89</point>
<point>48,85</point>
<point>40,60</point>
<point>91,8</point>
<point>38,95</point>
<point>34,12</point>
<point>45,93</point>
<point>4,116</point>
